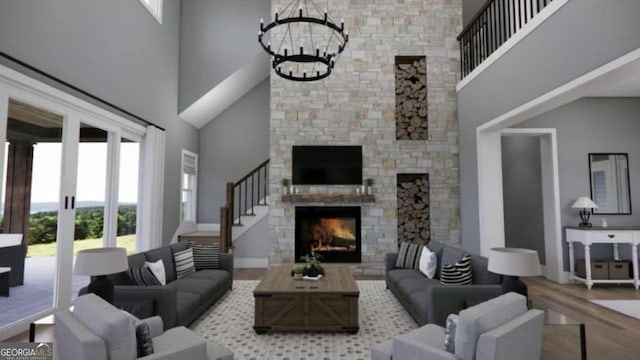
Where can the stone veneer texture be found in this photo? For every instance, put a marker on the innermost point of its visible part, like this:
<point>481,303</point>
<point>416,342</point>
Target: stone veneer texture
<point>356,106</point>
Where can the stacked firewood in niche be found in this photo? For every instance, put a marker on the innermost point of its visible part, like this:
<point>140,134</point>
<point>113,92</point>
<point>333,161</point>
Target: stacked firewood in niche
<point>413,208</point>
<point>411,98</point>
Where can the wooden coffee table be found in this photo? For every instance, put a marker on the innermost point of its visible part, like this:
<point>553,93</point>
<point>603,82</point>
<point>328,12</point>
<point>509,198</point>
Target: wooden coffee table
<point>287,304</point>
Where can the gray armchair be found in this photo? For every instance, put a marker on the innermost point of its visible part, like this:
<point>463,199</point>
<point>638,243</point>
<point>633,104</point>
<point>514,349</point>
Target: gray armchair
<point>96,330</point>
<point>498,329</point>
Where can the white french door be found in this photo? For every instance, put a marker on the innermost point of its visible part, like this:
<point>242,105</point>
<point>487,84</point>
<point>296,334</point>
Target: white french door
<point>76,160</point>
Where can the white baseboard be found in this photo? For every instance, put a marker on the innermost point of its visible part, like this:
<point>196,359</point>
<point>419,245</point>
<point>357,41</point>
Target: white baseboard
<point>565,278</point>
<point>251,263</point>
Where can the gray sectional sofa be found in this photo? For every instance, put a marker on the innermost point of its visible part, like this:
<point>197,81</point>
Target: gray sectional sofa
<point>428,301</point>
<point>180,301</point>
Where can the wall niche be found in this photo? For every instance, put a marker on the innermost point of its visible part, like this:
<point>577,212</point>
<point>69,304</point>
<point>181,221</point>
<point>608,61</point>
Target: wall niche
<point>413,208</point>
<point>411,98</point>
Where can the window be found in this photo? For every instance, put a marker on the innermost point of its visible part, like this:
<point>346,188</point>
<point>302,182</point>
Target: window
<point>154,7</point>
<point>189,186</point>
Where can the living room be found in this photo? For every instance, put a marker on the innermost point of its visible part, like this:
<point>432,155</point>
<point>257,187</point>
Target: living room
<point>226,142</point>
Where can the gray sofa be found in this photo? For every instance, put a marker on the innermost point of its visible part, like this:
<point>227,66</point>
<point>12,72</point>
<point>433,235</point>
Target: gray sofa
<point>180,301</point>
<point>428,301</point>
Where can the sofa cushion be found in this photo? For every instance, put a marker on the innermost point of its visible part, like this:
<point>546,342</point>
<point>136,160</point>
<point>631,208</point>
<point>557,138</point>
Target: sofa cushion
<point>218,276</point>
<point>476,320</point>
<point>458,273</point>
<point>409,285</point>
<point>201,287</point>
<point>450,333</point>
<point>114,327</point>
<point>184,263</point>
<point>408,256</point>
<point>136,260</point>
<point>206,256</point>
<point>157,268</point>
<point>399,274</point>
<point>144,344</point>
<point>144,277</point>
<point>187,304</point>
<point>428,262</point>
<point>164,253</point>
<point>179,246</point>
<point>482,276</point>
<point>414,344</point>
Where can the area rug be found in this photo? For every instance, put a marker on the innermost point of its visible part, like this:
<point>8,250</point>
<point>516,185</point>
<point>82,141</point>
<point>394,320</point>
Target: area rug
<point>230,323</point>
<point>627,307</point>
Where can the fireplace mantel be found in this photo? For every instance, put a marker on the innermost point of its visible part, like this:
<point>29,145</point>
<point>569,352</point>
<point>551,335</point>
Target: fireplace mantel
<point>328,198</point>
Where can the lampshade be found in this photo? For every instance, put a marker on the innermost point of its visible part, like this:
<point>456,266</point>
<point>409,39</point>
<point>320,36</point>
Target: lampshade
<point>101,261</point>
<point>584,203</point>
<point>514,262</point>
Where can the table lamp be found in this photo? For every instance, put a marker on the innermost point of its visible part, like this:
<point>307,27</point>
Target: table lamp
<point>513,263</point>
<point>584,203</point>
<point>100,263</point>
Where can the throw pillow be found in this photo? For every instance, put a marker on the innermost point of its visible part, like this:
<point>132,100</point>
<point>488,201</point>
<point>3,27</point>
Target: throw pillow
<point>206,256</point>
<point>157,268</point>
<point>458,273</point>
<point>143,276</point>
<point>450,333</point>
<point>408,256</point>
<point>143,339</point>
<point>428,262</point>
<point>184,263</point>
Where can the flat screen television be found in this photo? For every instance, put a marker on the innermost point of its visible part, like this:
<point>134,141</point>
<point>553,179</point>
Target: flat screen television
<point>326,165</point>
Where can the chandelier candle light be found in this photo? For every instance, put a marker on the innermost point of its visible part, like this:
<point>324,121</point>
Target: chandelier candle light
<point>309,44</point>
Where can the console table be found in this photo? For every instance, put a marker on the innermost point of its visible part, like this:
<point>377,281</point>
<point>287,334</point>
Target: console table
<point>600,235</point>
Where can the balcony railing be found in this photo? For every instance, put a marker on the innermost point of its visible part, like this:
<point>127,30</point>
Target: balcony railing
<point>493,25</point>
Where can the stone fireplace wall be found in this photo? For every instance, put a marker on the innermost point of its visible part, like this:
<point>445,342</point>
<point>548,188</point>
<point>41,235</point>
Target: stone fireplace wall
<point>356,106</point>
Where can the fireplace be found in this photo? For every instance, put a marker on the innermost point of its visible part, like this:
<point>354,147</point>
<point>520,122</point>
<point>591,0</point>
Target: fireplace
<point>333,231</point>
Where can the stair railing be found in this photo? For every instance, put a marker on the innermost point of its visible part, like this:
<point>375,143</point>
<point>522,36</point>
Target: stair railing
<point>492,26</point>
<point>242,196</point>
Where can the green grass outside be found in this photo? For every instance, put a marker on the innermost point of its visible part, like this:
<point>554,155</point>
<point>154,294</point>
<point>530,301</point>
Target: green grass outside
<point>127,241</point>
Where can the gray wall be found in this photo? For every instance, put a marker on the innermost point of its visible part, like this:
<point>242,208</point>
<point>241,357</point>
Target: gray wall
<point>470,9</point>
<point>253,244</point>
<point>115,50</point>
<point>217,37</point>
<point>578,38</point>
<point>592,125</point>
<point>231,145</point>
<point>522,186</point>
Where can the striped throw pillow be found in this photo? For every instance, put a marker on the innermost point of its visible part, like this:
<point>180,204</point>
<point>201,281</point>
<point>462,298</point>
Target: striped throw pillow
<point>409,256</point>
<point>206,256</point>
<point>184,263</point>
<point>458,273</point>
<point>143,276</point>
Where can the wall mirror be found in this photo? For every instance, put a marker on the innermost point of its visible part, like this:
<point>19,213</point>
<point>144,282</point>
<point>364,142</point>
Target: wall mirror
<point>609,178</point>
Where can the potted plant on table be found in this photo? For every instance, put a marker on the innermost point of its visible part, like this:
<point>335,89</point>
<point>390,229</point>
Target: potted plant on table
<point>368,186</point>
<point>285,185</point>
<point>313,265</point>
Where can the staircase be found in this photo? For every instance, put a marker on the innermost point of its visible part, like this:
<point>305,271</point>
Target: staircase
<point>246,205</point>
<point>495,23</point>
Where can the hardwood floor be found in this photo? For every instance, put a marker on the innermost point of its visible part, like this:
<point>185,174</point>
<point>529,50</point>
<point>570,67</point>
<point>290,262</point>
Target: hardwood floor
<point>610,335</point>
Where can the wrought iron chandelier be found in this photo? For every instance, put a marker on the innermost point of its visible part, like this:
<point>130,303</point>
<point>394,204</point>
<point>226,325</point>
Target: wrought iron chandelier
<point>308,41</point>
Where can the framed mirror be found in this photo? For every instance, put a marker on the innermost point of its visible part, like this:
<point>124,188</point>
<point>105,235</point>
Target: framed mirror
<point>609,180</point>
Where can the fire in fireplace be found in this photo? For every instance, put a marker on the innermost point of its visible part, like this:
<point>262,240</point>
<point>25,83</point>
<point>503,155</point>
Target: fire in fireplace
<point>333,232</point>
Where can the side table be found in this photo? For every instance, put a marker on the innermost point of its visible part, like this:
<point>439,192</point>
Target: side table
<point>553,318</point>
<point>5,275</point>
